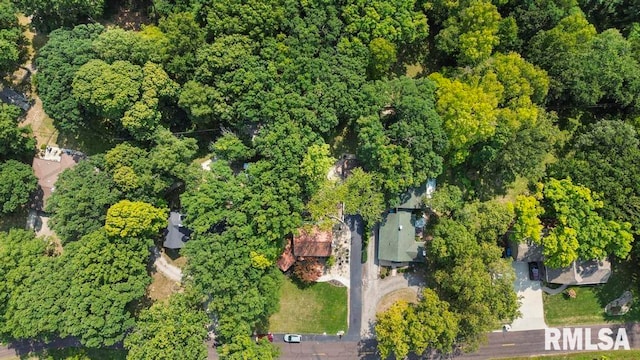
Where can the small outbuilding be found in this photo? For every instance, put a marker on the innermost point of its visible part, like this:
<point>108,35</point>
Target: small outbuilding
<point>176,235</point>
<point>12,97</point>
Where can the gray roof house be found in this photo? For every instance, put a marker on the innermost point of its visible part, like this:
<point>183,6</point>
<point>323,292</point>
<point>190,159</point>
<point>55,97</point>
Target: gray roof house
<point>176,234</point>
<point>581,272</point>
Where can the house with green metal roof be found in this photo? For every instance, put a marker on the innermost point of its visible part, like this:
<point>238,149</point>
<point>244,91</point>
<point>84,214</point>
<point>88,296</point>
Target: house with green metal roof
<point>397,238</point>
<point>398,243</point>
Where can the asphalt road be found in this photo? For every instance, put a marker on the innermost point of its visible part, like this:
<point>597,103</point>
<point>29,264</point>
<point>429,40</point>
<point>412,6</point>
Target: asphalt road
<point>499,345</point>
<point>523,343</point>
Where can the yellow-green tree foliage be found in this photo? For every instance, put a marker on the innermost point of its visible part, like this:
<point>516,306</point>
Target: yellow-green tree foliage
<point>134,218</point>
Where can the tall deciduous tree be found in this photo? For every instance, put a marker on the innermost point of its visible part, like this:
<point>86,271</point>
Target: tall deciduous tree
<point>13,44</point>
<point>472,33</point>
<point>15,142</point>
<point>105,277</point>
<point>57,62</point>
<point>17,182</point>
<point>404,141</point>
<point>52,14</point>
<point>171,330</point>
<point>578,231</point>
<point>469,113</point>
<point>603,158</point>
<point>406,328</point>
<point>79,204</point>
<point>134,219</point>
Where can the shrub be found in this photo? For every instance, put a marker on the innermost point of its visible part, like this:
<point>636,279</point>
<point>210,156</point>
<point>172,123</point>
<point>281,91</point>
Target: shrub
<point>307,270</point>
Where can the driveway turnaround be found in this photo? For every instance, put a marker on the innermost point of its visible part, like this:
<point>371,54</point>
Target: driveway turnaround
<point>530,294</point>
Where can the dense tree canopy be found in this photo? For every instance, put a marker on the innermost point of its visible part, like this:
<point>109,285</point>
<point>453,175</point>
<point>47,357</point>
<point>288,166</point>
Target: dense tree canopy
<point>13,44</point>
<point>51,14</point>
<point>488,96</point>
<point>17,182</point>
<point>404,141</point>
<point>405,328</point>
<point>57,62</point>
<point>15,142</point>
<point>576,230</point>
<point>170,330</point>
<point>81,200</point>
<point>605,159</point>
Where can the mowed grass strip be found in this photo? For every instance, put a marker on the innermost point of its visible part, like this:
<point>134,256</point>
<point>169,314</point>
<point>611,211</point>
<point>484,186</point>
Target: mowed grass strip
<point>315,309</point>
<point>590,301</point>
<point>584,309</point>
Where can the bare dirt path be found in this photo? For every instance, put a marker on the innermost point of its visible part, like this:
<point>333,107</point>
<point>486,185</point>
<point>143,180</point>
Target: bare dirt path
<point>172,272</point>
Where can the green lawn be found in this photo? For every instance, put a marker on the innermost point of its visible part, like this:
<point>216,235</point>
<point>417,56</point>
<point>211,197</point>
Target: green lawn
<point>588,306</point>
<point>596,355</point>
<point>316,309</point>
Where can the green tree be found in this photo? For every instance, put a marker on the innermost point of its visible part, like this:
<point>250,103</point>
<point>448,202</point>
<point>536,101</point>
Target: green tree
<point>79,204</point>
<point>52,14</point>
<point>406,328</point>
<point>15,142</point>
<point>383,56</point>
<point>395,21</point>
<point>57,62</point>
<point>229,147</point>
<point>244,347</point>
<point>315,166</point>
<point>446,200</point>
<point>124,92</point>
<point>173,329</point>
<point>20,253</point>
<point>137,47</point>
<point>108,90</point>
<point>391,331</point>
<point>599,158</point>
<point>106,276</point>
<point>13,44</point>
<point>404,141</point>
<point>528,225</point>
<point>17,183</point>
<point>473,278</point>
<point>579,232</point>
<point>472,33</point>
<point>363,196</point>
<point>26,269</point>
<point>183,37</point>
<point>487,220</point>
<point>134,219</point>
<point>536,15</point>
<point>469,113</point>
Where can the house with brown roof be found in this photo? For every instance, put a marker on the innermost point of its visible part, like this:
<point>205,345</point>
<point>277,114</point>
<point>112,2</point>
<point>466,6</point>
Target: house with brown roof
<point>47,168</point>
<point>307,243</point>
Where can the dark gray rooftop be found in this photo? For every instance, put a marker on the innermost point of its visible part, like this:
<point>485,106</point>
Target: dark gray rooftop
<point>176,234</point>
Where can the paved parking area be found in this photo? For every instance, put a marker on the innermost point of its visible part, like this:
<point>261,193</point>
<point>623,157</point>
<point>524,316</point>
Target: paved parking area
<point>530,293</point>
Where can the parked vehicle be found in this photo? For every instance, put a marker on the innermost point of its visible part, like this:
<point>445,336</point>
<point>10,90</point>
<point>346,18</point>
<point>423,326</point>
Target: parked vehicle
<point>292,338</point>
<point>534,271</point>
